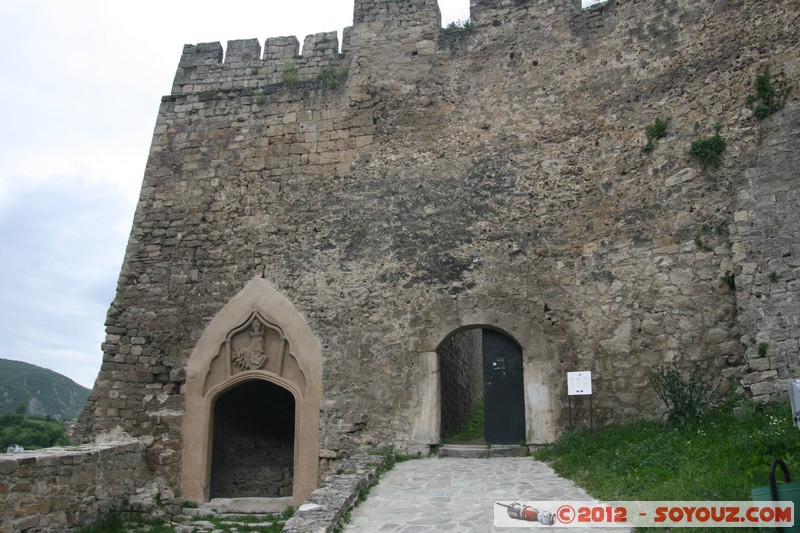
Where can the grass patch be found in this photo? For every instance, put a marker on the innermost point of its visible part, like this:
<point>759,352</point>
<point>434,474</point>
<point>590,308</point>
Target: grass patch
<point>112,524</point>
<point>116,524</point>
<point>716,458</point>
<point>242,524</point>
<point>474,429</point>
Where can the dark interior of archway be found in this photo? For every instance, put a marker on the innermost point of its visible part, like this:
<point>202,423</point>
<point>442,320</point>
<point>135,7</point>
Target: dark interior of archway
<point>461,385</point>
<point>253,443</point>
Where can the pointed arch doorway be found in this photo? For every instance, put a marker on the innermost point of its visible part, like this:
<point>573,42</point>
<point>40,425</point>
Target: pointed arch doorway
<point>253,385</point>
<point>481,369</point>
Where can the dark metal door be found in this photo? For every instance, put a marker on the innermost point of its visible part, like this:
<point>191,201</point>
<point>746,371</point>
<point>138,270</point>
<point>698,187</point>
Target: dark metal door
<point>503,397</point>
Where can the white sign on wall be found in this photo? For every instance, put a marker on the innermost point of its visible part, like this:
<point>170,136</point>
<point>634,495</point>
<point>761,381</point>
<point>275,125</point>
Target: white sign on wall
<point>579,383</point>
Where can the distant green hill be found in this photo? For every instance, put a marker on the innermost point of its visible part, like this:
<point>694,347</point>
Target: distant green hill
<point>42,391</point>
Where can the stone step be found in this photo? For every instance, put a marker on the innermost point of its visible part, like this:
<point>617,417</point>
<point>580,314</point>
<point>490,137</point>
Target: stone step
<point>476,451</point>
<point>247,505</point>
<point>243,514</point>
<point>208,513</point>
<point>204,526</point>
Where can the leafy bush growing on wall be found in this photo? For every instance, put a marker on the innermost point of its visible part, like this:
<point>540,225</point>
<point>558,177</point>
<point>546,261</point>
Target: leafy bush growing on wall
<point>655,131</point>
<point>766,101</point>
<point>708,151</point>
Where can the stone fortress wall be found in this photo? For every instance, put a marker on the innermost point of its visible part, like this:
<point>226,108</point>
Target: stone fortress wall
<point>421,181</point>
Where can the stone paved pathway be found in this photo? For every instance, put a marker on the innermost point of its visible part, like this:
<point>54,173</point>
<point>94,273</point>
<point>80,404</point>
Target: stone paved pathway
<point>458,495</point>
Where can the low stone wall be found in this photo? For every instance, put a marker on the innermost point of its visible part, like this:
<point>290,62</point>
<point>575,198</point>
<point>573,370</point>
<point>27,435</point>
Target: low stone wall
<point>338,493</point>
<point>62,489</point>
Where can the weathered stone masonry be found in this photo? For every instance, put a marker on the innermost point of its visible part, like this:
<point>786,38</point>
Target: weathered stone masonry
<point>62,489</point>
<point>423,181</point>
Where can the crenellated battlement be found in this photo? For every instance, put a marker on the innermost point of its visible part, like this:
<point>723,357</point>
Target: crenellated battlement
<point>381,29</point>
<point>202,67</point>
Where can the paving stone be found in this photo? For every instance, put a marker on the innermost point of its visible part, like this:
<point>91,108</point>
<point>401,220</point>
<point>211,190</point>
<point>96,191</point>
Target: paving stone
<point>457,494</point>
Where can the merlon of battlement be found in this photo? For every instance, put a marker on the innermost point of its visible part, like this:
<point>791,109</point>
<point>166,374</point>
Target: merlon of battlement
<point>249,50</point>
<point>401,12</point>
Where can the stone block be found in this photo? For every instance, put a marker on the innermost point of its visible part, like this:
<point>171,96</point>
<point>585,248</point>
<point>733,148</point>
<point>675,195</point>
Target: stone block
<point>762,389</point>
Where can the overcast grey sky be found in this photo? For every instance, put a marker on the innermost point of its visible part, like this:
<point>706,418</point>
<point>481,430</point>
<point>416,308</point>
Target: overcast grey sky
<point>80,86</point>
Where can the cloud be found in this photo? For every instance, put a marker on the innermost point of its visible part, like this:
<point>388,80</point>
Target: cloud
<point>61,242</point>
<point>81,85</point>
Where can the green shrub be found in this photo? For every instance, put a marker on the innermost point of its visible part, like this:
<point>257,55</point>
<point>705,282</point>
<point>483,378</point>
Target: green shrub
<point>708,151</point>
<point>686,400</point>
<point>461,25</point>
<point>655,131</point>
<point>289,72</point>
<point>766,101</point>
<point>332,77</point>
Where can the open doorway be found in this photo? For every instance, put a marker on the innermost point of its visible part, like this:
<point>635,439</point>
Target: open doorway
<point>481,386</point>
<point>253,442</point>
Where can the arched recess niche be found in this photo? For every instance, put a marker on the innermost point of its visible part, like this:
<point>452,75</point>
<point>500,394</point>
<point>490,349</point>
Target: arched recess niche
<point>258,335</point>
<point>539,376</point>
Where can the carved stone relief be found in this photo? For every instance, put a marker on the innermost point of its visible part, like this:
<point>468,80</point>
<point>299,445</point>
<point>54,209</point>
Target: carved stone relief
<point>255,345</point>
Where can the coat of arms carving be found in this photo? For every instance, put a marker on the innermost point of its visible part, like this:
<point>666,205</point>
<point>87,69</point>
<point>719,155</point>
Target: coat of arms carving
<point>252,356</point>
